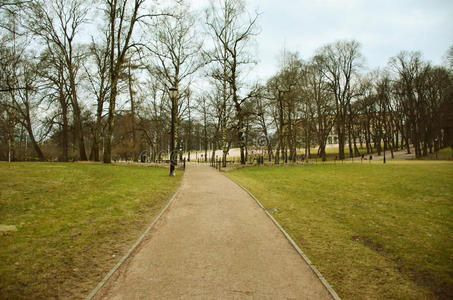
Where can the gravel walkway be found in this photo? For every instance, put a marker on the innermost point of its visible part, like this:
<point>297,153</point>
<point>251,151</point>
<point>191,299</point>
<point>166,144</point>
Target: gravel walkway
<point>214,242</point>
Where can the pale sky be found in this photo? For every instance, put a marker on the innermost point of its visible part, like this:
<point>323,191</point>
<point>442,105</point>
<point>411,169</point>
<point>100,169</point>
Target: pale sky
<point>383,27</point>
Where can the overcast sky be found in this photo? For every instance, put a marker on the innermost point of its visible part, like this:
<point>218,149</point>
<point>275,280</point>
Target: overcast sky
<point>383,27</point>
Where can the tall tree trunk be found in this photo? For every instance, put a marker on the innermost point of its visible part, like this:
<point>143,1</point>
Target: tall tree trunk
<point>341,140</point>
<point>35,145</point>
<point>131,98</point>
<point>12,135</point>
<point>397,142</point>
<point>78,126</point>
<point>30,133</point>
<point>406,139</point>
<point>368,136</point>
<point>97,128</point>
<point>65,132</point>
<point>322,148</point>
<point>110,123</point>
<point>351,153</point>
<point>240,133</point>
<point>78,131</point>
<point>96,145</point>
<point>392,146</point>
<point>356,150</point>
<point>277,155</point>
<point>64,105</point>
<point>205,141</point>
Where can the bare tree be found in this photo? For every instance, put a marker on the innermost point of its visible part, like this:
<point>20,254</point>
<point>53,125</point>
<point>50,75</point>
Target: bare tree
<point>323,108</point>
<point>231,31</point>
<point>152,119</point>
<point>26,102</point>
<point>23,102</point>
<point>11,56</point>
<point>423,96</point>
<point>176,52</point>
<point>340,63</point>
<point>51,71</point>
<point>263,118</point>
<point>409,67</point>
<point>58,23</point>
<point>285,92</point>
<point>123,17</point>
<point>99,83</point>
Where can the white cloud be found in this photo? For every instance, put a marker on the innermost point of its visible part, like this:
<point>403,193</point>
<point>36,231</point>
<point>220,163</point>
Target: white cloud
<point>382,27</point>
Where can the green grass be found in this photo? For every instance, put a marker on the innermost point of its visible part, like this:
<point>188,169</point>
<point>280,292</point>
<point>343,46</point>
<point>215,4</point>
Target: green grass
<point>74,223</point>
<point>445,153</point>
<point>442,154</point>
<point>374,231</point>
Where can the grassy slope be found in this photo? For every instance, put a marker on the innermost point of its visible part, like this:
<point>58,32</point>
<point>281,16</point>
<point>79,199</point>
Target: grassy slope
<point>374,231</point>
<point>74,223</point>
<point>442,154</point>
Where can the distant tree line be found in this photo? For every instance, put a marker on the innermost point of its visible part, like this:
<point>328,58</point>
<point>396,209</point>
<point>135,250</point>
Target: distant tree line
<point>78,83</point>
<point>409,104</point>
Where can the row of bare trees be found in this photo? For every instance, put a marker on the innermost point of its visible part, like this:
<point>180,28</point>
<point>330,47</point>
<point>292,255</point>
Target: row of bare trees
<point>409,103</point>
<point>56,66</point>
<point>78,83</point>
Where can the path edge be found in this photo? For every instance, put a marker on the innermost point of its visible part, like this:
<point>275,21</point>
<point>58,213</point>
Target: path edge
<point>291,241</point>
<point>132,249</point>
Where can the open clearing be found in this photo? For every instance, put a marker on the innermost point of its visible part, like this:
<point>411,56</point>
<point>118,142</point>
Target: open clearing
<point>374,231</point>
<point>74,222</point>
<point>214,242</point>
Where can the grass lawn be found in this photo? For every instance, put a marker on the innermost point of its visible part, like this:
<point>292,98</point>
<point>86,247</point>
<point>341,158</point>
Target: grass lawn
<point>74,222</point>
<point>374,231</point>
<point>442,154</point>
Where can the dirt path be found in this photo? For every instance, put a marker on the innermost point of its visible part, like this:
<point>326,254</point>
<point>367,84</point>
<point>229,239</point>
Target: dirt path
<point>214,242</point>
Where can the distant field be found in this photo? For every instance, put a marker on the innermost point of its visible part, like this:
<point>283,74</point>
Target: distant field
<point>74,222</point>
<point>234,154</point>
<point>374,231</point>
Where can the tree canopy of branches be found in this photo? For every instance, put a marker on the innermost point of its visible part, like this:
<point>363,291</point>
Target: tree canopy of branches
<point>230,33</point>
<point>84,84</point>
